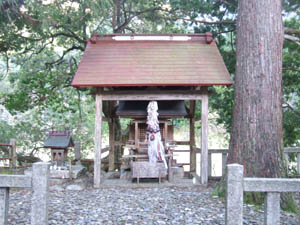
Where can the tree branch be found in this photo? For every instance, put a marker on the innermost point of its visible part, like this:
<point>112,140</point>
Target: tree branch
<point>200,21</point>
<point>64,54</point>
<point>134,14</point>
<point>71,34</point>
<point>292,109</point>
<point>291,69</point>
<point>291,38</point>
<point>291,31</point>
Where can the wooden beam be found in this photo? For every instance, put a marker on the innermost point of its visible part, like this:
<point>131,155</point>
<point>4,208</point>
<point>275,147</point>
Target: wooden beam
<point>98,140</point>
<point>136,134</point>
<point>212,151</point>
<point>165,132</point>
<point>13,153</point>
<point>192,137</point>
<point>151,95</point>
<point>111,159</point>
<point>182,142</point>
<point>178,150</point>
<point>204,140</point>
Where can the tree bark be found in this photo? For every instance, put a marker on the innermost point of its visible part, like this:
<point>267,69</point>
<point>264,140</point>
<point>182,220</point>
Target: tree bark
<point>256,136</point>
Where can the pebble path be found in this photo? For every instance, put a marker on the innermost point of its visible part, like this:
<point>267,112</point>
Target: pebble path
<point>120,205</point>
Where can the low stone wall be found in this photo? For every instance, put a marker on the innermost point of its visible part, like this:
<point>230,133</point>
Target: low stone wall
<point>237,184</point>
<point>39,182</point>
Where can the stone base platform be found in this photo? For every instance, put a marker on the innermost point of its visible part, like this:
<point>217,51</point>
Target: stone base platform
<point>64,173</point>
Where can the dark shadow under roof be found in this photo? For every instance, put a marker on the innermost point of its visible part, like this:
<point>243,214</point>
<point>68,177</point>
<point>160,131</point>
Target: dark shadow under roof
<point>138,109</point>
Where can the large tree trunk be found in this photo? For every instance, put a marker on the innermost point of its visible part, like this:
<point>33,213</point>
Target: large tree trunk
<point>256,137</point>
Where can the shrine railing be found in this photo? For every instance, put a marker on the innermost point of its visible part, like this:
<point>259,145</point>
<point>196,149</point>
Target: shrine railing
<point>11,156</point>
<point>39,182</point>
<point>237,185</point>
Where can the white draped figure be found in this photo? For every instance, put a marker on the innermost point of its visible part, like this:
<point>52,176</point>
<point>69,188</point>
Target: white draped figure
<point>156,149</point>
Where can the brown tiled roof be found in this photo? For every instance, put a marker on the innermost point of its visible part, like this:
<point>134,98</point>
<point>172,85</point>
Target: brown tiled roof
<point>108,62</point>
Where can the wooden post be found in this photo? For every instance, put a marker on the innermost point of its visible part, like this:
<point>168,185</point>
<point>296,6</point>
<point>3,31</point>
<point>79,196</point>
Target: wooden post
<point>70,170</point>
<point>77,151</point>
<point>165,133</point>
<point>136,134</point>
<point>98,140</point>
<point>204,139</point>
<point>224,161</point>
<point>192,137</point>
<point>298,162</point>
<point>209,165</point>
<point>13,153</point>
<point>170,171</point>
<point>287,158</point>
<point>111,158</point>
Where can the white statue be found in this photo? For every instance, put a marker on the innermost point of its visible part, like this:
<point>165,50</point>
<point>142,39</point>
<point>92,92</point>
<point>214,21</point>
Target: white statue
<point>156,149</point>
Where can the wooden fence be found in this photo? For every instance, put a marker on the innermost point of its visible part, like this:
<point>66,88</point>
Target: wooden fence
<point>12,155</point>
<point>39,182</point>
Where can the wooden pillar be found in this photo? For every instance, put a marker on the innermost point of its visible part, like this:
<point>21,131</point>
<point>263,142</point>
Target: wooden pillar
<point>224,162</point>
<point>77,151</point>
<point>98,140</point>
<point>13,153</point>
<point>166,132</point>
<point>204,139</point>
<point>209,165</point>
<point>192,137</point>
<point>136,134</point>
<point>111,158</point>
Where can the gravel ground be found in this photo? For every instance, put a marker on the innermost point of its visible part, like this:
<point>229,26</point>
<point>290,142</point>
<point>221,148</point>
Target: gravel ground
<point>134,205</point>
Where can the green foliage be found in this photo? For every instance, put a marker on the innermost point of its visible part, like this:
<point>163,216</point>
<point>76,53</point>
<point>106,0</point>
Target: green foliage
<point>41,44</point>
<point>220,191</point>
<point>288,203</point>
<point>254,198</point>
<point>6,171</point>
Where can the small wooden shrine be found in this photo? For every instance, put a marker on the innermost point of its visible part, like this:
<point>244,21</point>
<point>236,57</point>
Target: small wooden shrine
<point>138,144</point>
<point>59,142</point>
<point>160,67</point>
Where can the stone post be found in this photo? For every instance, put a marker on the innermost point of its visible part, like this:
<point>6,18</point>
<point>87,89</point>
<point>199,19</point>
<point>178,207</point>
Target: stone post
<point>298,210</point>
<point>4,199</point>
<point>272,208</point>
<point>40,193</point>
<point>77,148</point>
<point>234,195</point>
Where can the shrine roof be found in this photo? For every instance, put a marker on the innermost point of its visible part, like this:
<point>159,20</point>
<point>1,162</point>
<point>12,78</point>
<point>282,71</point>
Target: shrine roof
<point>151,60</point>
<point>59,139</point>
